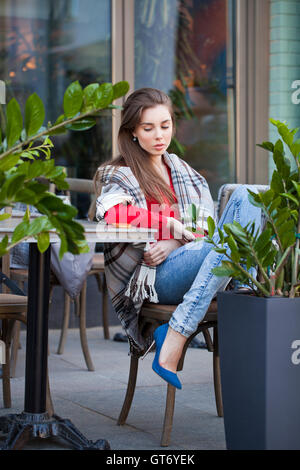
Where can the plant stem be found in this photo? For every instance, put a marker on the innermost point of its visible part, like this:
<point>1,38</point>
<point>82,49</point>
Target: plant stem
<point>263,272</point>
<point>48,131</point>
<point>274,228</point>
<point>255,282</point>
<point>245,272</point>
<point>283,261</point>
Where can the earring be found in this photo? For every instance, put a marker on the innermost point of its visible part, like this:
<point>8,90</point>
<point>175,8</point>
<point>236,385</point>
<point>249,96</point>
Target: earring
<point>134,139</point>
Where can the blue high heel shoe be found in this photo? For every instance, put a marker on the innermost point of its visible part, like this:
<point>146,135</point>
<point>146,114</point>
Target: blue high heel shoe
<point>170,377</point>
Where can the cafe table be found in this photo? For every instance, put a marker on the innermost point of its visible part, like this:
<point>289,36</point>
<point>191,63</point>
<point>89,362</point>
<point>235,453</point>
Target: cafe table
<point>34,421</point>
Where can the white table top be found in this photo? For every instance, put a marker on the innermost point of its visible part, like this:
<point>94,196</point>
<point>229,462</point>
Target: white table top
<point>94,232</point>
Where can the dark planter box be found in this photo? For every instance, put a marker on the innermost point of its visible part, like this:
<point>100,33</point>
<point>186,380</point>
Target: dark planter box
<point>260,371</point>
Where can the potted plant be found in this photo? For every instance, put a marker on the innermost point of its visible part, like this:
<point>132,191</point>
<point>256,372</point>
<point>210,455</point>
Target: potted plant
<point>25,158</point>
<point>260,331</point>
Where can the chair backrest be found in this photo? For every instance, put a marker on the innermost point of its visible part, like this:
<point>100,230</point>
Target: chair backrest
<point>226,191</point>
<point>80,185</point>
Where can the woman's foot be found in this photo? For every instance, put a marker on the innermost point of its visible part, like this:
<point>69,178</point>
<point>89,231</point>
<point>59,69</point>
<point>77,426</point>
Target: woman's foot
<point>171,350</point>
<point>167,375</point>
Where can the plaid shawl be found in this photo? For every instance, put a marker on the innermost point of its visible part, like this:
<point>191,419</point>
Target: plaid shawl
<point>128,288</point>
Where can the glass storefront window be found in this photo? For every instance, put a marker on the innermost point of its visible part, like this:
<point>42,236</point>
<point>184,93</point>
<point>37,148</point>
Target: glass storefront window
<point>45,46</point>
<point>184,47</point>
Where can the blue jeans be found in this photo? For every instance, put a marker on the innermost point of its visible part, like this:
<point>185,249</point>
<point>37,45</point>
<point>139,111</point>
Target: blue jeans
<point>185,278</point>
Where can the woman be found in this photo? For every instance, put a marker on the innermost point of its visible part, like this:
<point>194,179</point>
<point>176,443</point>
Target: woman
<point>158,189</point>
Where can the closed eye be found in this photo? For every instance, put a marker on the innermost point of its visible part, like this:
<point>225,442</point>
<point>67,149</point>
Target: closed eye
<point>148,130</point>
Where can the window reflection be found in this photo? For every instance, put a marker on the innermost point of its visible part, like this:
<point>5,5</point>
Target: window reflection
<point>181,47</point>
<point>46,45</point>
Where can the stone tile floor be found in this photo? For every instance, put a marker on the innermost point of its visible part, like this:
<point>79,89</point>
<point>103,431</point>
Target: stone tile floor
<point>93,400</point>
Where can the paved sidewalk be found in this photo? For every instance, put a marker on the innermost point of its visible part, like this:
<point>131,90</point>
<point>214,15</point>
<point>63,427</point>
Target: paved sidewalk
<point>92,400</point>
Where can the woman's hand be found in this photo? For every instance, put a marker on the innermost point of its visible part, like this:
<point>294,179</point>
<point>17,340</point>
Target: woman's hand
<point>159,251</point>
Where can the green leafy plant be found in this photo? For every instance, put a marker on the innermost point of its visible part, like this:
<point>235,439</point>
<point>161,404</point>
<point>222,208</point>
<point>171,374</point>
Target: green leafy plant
<point>274,251</point>
<point>25,162</point>
<point>192,218</point>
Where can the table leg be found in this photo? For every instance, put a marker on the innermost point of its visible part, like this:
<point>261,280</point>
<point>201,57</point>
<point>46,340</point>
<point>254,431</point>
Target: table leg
<point>35,421</point>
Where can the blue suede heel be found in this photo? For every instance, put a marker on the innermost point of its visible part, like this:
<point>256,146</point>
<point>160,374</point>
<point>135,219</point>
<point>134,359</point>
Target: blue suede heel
<point>170,377</point>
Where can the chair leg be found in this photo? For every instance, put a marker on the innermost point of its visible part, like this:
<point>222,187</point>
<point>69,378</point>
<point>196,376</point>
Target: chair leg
<point>16,345</point>
<point>208,340</point>
<point>65,324</point>
<point>217,373</point>
<point>134,363</point>
<point>169,413</point>
<point>82,328</point>
<point>14,348</point>
<point>105,309</point>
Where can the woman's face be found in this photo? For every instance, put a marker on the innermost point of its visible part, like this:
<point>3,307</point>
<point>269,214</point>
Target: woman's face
<point>154,132</point>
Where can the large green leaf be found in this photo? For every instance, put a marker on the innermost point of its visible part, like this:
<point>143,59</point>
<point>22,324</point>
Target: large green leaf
<point>43,239</point>
<point>291,198</point>
<point>36,169</point>
<point>235,255</point>
<point>104,95</point>
<point>20,232</point>
<point>236,230</point>
<point>38,225</point>
<point>3,245</point>
<point>282,215</point>
<point>295,148</point>
<point>276,183</point>
<point>14,122</point>
<point>34,114</point>
<point>255,199</point>
<point>267,198</point>
<point>8,162</point>
<point>120,89</point>
<point>263,240</point>
<point>26,196</point>
<point>285,133</point>
<point>268,260</point>
<point>225,270</point>
<point>267,146</point>
<point>73,99</point>
<point>12,185</point>
<point>4,216</point>
<point>89,95</point>
<point>274,204</point>
<point>211,226</point>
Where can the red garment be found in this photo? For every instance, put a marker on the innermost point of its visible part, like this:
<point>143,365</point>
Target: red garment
<point>155,217</point>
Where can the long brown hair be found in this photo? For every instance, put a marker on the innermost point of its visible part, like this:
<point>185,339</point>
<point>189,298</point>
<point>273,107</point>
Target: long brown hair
<point>131,153</point>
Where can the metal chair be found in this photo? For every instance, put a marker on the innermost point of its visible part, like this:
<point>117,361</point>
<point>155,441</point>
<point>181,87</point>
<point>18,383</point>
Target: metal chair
<point>152,315</point>
<point>13,307</point>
